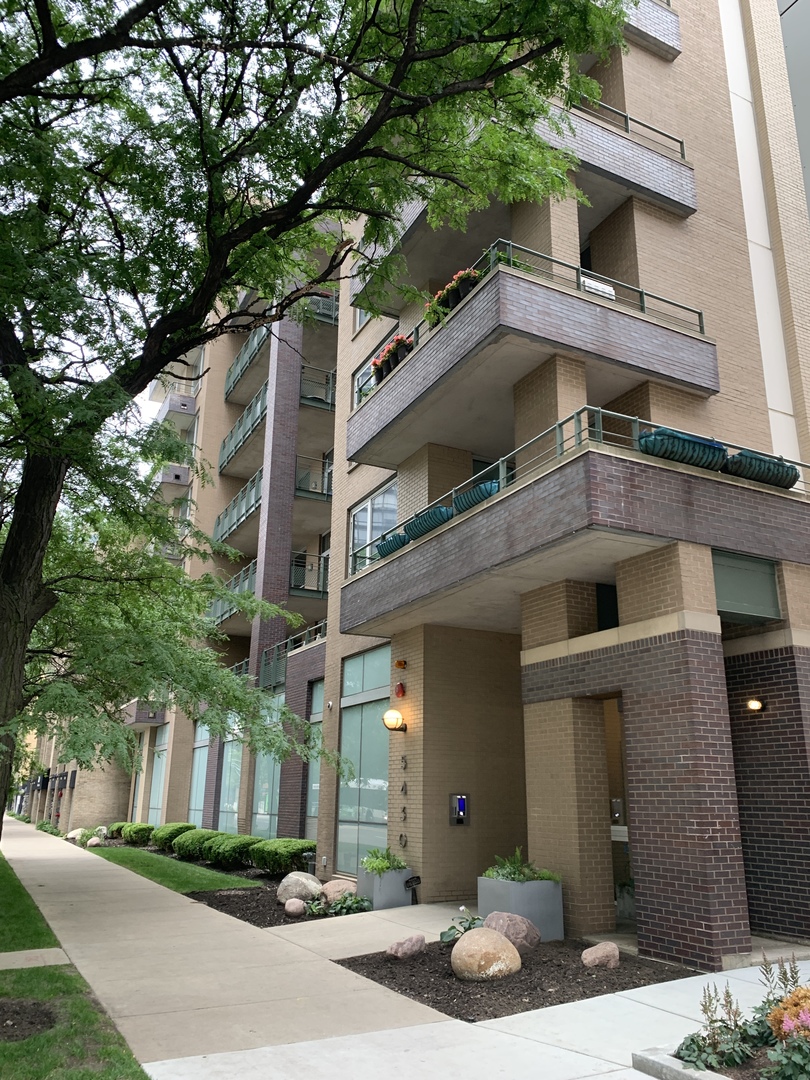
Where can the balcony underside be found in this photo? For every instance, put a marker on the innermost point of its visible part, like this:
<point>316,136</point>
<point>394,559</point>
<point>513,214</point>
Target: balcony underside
<point>311,604</point>
<point>249,458</point>
<point>575,521</point>
<point>457,388</point>
<point>245,537</point>
<point>654,27</point>
<point>311,517</point>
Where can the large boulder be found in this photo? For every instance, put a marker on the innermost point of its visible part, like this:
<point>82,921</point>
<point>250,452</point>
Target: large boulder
<point>523,934</point>
<point>483,954</point>
<point>333,890</point>
<point>299,886</point>
<point>74,834</point>
<point>407,949</point>
<point>605,954</point>
<point>295,908</point>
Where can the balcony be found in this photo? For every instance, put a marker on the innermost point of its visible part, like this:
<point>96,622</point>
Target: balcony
<point>571,503</point>
<point>245,375</point>
<point>178,408</point>
<point>313,478</point>
<point>224,613</point>
<point>317,387</point>
<point>309,575</point>
<point>456,387</point>
<point>654,26</point>
<point>273,670</point>
<point>240,454</point>
<point>239,521</point>
<point>242,668</point>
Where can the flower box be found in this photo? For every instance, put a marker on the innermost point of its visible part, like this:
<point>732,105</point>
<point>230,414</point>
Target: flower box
<point>384,890</point>
<point>429,519</point>
<point>538,901</point>
<point>392,543</point>
<point>762,468</point>
<point>474,495</point>
<point>689,449</point>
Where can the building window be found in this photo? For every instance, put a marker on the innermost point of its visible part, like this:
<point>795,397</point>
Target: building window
<point>266,784</point>
<point>199,767</point>
<point>158,775</point>
<point>136,791</point>
<point>363,801</point>
<point>314,768</point>
<point>360,319</point>
<point>376,515</point>
<point>229,791</point>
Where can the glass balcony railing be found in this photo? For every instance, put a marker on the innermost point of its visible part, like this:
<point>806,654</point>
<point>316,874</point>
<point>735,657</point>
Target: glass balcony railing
<point>243,582</point>
<point>239,508</point>
<point>244,427</point>
<point>589,426</point>
<point>313,476</point>
<point>273,668</point>
<point>317,387</point>
<point>245,357</point>
<point>309,573</point>
<point>569,275</point>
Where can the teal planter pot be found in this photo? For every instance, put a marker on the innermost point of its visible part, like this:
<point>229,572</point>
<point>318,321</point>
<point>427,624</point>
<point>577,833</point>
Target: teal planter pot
<point>428,520</point>
<point>392,544</point>
<point>475,495</point>
<point>761,468</point>
<point>689,449</point>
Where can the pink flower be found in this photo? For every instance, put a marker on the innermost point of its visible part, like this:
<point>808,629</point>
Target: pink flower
<point>788,1025</point>
<point>804,1018</point>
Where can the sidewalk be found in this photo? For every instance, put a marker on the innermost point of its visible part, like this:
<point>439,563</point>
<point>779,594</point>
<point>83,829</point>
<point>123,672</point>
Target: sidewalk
<point>199,995</point>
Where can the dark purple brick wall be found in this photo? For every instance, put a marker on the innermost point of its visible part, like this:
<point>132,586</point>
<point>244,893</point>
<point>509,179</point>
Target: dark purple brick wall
<point>773,785</point>
<point>303,667</point>
<point>213,785</point>
<point>681,796</point>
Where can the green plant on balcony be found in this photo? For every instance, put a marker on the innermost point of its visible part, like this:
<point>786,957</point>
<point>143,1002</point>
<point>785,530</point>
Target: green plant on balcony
<point>459,286</point>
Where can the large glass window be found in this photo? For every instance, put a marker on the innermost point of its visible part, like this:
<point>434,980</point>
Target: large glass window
<point>363,801</point>
<point>369,521</point>
<point>137,786</point>
<point>158,775</point>
<point>266,784</point>
<point>314,768</point>
<point>199,767</point>
<point>229,792</point>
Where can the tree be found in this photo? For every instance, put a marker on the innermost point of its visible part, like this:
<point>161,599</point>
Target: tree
<point>156,160</point>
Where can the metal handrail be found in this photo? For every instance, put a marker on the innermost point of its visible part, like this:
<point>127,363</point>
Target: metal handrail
<point>239,508</point>
<point>309,573</point>
<point>245,357</point>
<point>595,108</point>
<point>589,425</point>
<point>273,667</point>
<point>325,307</point>
<point>317,386</point>
<point>569,275</point>
<point>242,668</point>
<point>313,476</point>
<point>245,581</point>
<point>244,427</point>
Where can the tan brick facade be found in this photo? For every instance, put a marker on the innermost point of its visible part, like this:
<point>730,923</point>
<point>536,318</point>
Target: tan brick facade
<point>678,577</point>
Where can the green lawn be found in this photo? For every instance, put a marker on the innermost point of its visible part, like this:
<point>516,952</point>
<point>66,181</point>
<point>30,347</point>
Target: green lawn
<point>83,1045</point>
<point>21,925</point>
<point>179,876</point>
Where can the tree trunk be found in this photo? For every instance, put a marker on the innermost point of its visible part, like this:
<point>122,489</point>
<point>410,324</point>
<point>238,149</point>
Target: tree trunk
<point>24,599</point>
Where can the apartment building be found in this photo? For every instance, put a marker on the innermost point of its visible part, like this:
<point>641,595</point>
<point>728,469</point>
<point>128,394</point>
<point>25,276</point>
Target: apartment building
<point>594,635</point>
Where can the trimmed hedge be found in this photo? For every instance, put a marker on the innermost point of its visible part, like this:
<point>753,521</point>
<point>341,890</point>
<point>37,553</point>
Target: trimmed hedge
<point>164,835</point>
<point>137,832</point>
<point>281,856</point>
<point>229,852</point>
<point>114,830</point>
<point>189,845</point>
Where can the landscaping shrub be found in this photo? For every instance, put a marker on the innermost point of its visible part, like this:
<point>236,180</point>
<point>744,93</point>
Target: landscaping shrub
<point>281,856</point>
<point>84,836</point>
<point>189,845</point>
<point>137,832</point>
<point>114,830</point>
<point>164,835</point>
<point>45,826</point>
<point>229,852</point>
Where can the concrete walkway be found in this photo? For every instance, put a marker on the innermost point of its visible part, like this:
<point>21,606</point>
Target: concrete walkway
<point>201,996</point>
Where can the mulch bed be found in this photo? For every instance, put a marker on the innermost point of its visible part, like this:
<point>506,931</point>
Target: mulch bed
<point>258,907</point>
<point>751,1070</point>
<point>21,1019</point>
<point>552,974</point>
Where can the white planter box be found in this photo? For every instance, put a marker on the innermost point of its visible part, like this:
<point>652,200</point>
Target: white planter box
<point>538,901</point>
<point>387,891</point>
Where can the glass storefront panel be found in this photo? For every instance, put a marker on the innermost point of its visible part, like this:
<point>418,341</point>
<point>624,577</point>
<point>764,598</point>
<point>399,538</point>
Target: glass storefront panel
<point>199,767</point>
<point>158,775</point>
<point>229,792</point>
<point>265,797</point>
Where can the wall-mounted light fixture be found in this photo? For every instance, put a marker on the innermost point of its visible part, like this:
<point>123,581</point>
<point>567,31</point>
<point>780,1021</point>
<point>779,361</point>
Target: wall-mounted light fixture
<point>392,719</point>
<point>755,704</point>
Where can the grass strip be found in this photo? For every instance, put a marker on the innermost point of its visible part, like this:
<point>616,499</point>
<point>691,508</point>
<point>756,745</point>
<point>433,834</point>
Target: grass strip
<point>83,1045</point>
<point>172,873</point>
<point>21,925</point>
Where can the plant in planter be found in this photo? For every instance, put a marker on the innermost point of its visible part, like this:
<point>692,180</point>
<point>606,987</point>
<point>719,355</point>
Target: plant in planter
<point>377,370</point>
<point>381,877</point>
<point>436,308</point>
<point>465,281</point>
<point>400,347</point>
<point>521,888</point>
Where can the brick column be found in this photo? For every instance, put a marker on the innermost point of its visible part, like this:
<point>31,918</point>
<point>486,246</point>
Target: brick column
<point>556,612</point>
<point>550,392</point>
<point>551,228</point>
<point>428,474</point>
<point>213,785</point>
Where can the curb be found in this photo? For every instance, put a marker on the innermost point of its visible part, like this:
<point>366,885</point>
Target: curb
<point>659,1062</point>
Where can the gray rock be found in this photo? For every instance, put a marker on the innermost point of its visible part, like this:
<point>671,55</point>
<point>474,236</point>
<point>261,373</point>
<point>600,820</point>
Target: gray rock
<point>74,834</point>
<point>295,908</point>
<point>483,954</point>
<point>299,886</point>
<point>523,934</point>
<point>605,954</point>
<point>94,841</point>
<point>333,890</point>
<point>407,949</point>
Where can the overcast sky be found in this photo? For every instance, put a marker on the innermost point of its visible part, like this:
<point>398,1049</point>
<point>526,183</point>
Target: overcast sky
<point>796,32</point>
